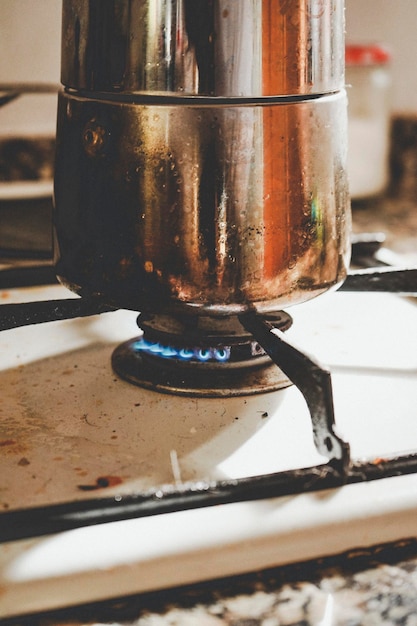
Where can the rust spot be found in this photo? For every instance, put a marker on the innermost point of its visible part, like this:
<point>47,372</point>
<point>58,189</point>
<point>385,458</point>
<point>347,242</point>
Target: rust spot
<point>101,483</point>
<point>94,138</point>
<point>12,447</point>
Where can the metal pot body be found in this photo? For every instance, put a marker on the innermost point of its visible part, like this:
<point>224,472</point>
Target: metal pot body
<point>231,48</point>
<point>203,208</point>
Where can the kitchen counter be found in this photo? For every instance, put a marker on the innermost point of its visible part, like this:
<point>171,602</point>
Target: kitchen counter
<point>366,587</point>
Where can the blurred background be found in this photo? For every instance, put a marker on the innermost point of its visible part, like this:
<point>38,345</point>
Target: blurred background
<point>393,24</point>
<point>30,40</point>
<point>30,48</point>
<point>30,33</point>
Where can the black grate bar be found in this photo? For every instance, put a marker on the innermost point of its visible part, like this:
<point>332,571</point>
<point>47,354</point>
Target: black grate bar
<point>27,276</point>
<point>311,378</point>
<point>383,279</point>
<point>51,519</point>
<point>28,313</point>
<point>399,281</point>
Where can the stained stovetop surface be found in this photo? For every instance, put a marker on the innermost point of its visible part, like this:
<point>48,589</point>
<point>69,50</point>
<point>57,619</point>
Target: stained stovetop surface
<point>72,430</point>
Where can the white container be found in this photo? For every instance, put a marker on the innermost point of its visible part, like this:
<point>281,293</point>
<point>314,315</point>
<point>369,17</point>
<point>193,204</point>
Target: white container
<point>368,83</point>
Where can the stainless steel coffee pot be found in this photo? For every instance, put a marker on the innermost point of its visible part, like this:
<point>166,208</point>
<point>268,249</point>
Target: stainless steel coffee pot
<point>201,153</point>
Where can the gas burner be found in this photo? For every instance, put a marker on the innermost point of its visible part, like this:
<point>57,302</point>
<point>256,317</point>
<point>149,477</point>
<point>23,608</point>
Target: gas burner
<point>199,356</point>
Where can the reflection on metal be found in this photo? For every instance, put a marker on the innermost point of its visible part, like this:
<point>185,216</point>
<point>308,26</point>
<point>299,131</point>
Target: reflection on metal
<point>201,207</point>
<point>219,48</point>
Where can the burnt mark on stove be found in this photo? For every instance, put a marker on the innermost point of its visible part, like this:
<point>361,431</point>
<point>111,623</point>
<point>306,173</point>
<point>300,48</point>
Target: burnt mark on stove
<point>7,442</point>
<point>102,482</point>
<point>86,420</point>
<point>11,447</point>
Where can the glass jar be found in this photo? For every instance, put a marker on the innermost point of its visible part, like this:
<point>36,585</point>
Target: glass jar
<point>368,80</point>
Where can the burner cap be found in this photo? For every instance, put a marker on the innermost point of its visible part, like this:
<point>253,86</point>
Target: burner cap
<point>199,357</point>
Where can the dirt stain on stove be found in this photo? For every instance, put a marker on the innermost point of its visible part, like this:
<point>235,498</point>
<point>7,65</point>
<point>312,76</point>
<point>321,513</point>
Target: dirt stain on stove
<point>7,442</point>
<point>85,419</point>
<point>11,447</point>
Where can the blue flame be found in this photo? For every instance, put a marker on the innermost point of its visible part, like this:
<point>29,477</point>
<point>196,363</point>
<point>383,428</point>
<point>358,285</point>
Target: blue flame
<point>204,354</point>
<point>222,354</point>
<point>184,354</point>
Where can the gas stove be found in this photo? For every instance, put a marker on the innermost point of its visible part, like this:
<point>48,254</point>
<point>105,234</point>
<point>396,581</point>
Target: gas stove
<point>115,488</point>
<point>199,178</point>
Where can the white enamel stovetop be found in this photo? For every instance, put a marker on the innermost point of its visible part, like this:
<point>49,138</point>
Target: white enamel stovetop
<point>67,420</point>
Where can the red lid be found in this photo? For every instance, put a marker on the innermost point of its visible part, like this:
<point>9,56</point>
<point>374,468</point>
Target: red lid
<point>366,54</point>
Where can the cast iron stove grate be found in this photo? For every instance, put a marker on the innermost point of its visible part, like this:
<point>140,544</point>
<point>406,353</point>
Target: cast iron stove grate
<point>310,377</point>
